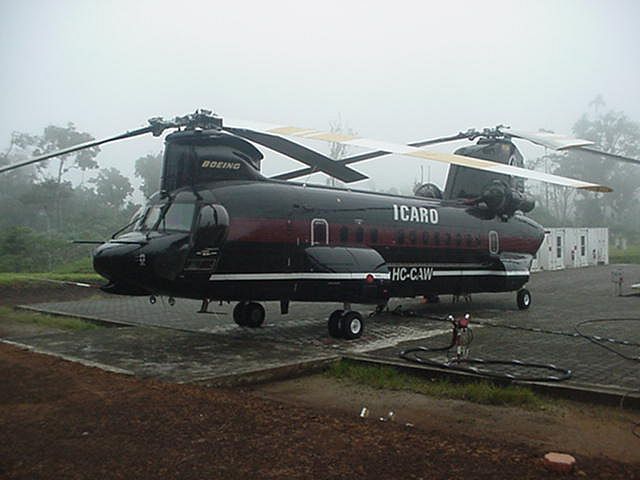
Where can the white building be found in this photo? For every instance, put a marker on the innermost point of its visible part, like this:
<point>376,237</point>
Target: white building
<point>572,248</point>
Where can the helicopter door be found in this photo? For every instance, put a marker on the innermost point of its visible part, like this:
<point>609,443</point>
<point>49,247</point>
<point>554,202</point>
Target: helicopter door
<point>319,232</point>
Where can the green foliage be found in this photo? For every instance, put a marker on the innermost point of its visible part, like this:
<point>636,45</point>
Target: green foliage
<point>51,321</point>
<point>614,133</point>
<point>149,169</point>
<point>112,187</point>
<point>24,280</point>
<point>630,255</point>
<point>40,212</point>
<point>384,377</point>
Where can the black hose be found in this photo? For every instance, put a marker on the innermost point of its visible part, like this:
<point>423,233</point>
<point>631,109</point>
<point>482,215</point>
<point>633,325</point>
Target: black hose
<point>601,341</point>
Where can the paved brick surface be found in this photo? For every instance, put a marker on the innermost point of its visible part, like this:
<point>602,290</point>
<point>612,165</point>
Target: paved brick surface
<point>178,344</point>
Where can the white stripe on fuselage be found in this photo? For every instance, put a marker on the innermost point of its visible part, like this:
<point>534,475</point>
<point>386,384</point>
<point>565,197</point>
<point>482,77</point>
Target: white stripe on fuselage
<point>356,276</point>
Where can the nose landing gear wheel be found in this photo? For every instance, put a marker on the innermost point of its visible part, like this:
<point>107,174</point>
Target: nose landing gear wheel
<point>249,314</point>
<point>524,299</point>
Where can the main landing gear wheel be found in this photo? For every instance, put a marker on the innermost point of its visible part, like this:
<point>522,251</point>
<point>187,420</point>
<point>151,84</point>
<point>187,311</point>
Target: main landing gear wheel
<point>345,324</point>
<point>524,299</point>
<point>249,314</point>
<point>334,324</point>
<point>352,325</point>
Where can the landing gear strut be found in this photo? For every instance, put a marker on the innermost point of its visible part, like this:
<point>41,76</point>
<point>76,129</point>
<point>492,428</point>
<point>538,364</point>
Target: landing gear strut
<point>249,314</point>
<point>345,324</point>
<point>524,299</point>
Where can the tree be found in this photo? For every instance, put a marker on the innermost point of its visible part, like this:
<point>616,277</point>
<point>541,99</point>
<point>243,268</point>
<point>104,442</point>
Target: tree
<point>614,133</point>
<point>149,169</point>
<point>112,187</point>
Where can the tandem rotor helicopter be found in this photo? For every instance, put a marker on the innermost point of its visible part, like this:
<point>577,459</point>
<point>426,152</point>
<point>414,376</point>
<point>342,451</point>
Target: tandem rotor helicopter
<point>219,230</point>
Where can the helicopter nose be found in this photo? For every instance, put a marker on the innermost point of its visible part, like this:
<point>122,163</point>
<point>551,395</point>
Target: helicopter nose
<point>113,261</point>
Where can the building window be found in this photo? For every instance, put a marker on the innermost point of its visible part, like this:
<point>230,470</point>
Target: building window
<point>559,247</point>
<point>583,245</point>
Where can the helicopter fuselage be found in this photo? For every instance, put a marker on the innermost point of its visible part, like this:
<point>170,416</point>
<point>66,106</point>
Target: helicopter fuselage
<point>273,240</point>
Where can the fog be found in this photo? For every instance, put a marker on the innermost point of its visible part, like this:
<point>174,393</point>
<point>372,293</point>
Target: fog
<point>397,71</point>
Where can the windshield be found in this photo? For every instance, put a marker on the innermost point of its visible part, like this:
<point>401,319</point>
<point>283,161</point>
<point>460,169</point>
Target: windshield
<point>175,217</point>
<point>151,218</point>
<point>179,216</point>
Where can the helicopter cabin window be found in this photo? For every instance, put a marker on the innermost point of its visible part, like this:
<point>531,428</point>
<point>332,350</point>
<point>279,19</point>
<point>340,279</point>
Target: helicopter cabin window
<point>583,246</point>
<point>413,238</point>
<point>447,239</point>
<point>400,237</point>
<point>178,217</point>
<point>344,234</point>
<point>319,232</point>
<point>494,242</point>
<point>436,238</point>
<point>373,235</point>
<point>458,239</point>
<point>359,235</point>
<point>469,240</point>
<point>425,238</point>
<point>478,241</point>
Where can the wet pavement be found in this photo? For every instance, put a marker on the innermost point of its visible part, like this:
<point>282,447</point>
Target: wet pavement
<point>177,344</point>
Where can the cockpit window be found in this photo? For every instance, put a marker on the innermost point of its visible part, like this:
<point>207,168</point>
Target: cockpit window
<point>179,217</point>
<point>151,218</point>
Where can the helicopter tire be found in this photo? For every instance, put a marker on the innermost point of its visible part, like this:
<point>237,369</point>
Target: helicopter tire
<point>523,298</point>
<point>238,314</point>
<point>334,324</point>
<point>254,315</point>
<point>352,325</point>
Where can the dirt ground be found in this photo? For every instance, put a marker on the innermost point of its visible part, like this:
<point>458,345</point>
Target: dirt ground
<point>588,430</point>
<point>63,420</point>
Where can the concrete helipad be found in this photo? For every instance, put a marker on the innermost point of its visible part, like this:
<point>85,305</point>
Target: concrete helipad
<point>177,344</point>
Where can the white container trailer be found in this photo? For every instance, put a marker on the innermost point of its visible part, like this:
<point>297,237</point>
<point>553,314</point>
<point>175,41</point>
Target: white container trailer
<point>575,247</point>
<point>598,246</point>
<point>572,248</point>
<point>550,255</point>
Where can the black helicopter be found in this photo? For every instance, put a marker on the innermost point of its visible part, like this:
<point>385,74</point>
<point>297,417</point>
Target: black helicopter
<point>219,230</point>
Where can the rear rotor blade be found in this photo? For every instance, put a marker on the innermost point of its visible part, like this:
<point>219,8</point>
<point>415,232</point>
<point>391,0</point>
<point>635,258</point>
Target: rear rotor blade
<point>368,156</point>
<point>551,140</point>
<point>427,155</point>
<point>316,160</point>
<point>620,158</point>
<point>560,142</point>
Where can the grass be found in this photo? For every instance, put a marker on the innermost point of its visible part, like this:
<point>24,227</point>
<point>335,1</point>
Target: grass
<point>12,279</point>
<point>50,321</point>
<point>390,379</point>
<point>630,255</point>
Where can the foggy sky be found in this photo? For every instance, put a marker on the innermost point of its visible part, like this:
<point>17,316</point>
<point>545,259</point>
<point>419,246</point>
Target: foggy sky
<point>397,71</point>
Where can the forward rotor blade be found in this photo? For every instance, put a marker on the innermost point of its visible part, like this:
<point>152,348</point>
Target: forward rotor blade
<point>316,160</point>
<point>368,156</point>
<point>427,155</point>
<point>80,146</point>
<point>554,141</point>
